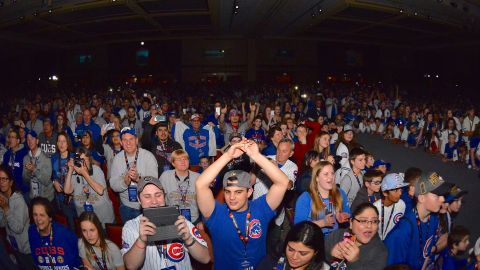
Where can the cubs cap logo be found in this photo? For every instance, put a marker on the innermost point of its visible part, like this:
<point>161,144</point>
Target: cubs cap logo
<point>255,229</point>
<point>434,178</point>
<point>60,259</point>
<point>425,248</point>
<point>175,252</point>
<point>40,259</point>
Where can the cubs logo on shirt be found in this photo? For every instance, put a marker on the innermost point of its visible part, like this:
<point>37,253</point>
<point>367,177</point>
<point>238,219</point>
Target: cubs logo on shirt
<point>425,248</point>
<point>397,217</point>
<point>255,229</point>
<point>196,233</point>
<point>175,252</point>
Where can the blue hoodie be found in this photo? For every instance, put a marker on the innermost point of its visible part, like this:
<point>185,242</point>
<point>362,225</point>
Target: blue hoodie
<point>405,245</point>
<point>17,166</point>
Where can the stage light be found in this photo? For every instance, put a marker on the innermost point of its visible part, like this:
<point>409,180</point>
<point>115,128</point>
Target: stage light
<point>50,11</point>
<point>54,78</point>
<point>401,10</point>
<point>436,76</point>
<point>142,43</point>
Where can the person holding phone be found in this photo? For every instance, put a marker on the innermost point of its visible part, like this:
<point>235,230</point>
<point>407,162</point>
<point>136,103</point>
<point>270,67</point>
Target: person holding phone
<point>88,186</point>
<point>324,204</point>
<point>138,253</point>
<point>235,125</point>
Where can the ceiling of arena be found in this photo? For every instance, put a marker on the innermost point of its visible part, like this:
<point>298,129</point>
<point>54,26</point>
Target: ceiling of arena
<point>422,24</point>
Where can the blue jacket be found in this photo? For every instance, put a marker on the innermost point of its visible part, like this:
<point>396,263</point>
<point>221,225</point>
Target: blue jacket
<point>196,144</point>
<point>404,244</point>
<point>17,166</point>
<point>92,127</point>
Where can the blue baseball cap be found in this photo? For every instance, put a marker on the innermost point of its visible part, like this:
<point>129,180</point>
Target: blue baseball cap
<point>128,130</point>
<point>380,162</point>
<point>393,181</point>
<point>455,194</point>
<point>399,122</point>
<point>31,133</point>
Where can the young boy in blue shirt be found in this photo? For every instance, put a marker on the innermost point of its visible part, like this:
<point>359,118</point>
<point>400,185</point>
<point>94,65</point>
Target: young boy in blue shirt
<point>413,239</point>
<point>458,241</point>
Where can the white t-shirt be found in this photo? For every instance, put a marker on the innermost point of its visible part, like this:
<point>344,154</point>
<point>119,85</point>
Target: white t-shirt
<point>260,188</point>
<point>397,134</point>
<point>176,253</point>
<point>390,217</point>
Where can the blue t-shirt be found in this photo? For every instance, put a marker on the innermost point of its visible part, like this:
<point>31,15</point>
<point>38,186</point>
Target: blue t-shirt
<point>257,135</point>
<point>412,139</point>
<point>60,253</point>
<point>92,127</point>
<point>303,209</point>
<point>196,144</point>
<point>405,243</point>
<point>59,171</point>
<point>228,249</point>
<point>452,262</point>
<point>270,150</point>
<point>451,151</point>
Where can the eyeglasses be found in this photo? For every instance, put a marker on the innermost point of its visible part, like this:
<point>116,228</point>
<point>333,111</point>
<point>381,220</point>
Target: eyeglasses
<point>366,221</point>
<point>4,179</point>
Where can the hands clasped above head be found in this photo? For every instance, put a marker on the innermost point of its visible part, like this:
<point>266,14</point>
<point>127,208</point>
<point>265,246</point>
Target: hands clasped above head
<point>244,146</point>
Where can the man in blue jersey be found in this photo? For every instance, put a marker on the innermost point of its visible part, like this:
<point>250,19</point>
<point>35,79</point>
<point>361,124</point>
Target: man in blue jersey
<point>413,240</point>
<point>238,228</point>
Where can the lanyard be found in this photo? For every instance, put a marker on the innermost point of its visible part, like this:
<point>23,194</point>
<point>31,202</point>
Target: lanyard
<point>358,180</point>
<point>61,172</point>
<point>420,234</point>
<point>134,162</point>
<point>244,239</point>
<point>49,244</point>
<point>384,231</point>
<point>183,191</point>
<point>102,265</point>
<point>12,160</point>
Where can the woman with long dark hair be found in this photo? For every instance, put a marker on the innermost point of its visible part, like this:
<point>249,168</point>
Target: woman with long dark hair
<point>96,251</point>
<point>310,160</point>
<point>304,250</point>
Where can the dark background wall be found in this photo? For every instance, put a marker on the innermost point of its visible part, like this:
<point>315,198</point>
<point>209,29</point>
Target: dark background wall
<point>244,60</point>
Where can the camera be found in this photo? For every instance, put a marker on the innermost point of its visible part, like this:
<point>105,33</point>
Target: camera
<point>77,160</point>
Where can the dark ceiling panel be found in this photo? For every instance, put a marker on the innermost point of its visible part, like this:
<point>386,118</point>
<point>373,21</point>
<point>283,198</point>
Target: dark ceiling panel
<point>392,33</point>
<point>113,26</point>
<point>170,22</point>
<point>332,25</point>
<point>174,5</point>
<point>89,14</point>
<point>365,14</point>
<point>26,26</point>
<point>430,26</point>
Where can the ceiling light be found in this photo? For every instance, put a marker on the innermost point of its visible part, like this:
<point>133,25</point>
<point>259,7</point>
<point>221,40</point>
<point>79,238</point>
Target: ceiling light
<point>236,6</point>
<point>401,10</point>
<point>142,43</point>
<point>415,13</point>
<point>35,13</point>
<point>50,11</point>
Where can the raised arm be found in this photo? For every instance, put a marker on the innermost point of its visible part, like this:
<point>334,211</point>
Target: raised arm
<point>279,179</point>
<point>205,199</point>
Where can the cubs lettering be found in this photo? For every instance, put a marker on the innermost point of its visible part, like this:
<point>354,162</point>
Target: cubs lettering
<point>49,251</point>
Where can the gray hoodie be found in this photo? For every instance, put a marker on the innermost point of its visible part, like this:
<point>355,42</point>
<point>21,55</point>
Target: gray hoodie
<point>16,222</point>
<point>40,180</point>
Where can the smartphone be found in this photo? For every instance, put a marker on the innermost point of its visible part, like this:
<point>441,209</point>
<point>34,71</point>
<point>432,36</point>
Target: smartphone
<point>217,110</point>
<point>351,237</point>
<point>164,218</point>
<point>145,95</point>
<point>272,113</point>
<point>160,118</point>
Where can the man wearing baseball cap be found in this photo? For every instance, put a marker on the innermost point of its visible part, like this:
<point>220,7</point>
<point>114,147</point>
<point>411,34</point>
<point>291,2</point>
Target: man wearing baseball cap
<point>390,208</point>
<point>127,168</point>
<point>198,141</point>
<point>413,239</point>
<point>238,227</point>
<point>138,253</point>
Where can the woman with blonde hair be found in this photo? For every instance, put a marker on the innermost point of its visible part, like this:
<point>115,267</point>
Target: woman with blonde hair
<point>324,204</point>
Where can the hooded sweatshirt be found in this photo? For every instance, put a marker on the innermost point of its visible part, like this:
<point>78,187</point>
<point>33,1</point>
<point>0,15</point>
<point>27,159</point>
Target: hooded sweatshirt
<point>40,180</point>
<point>16,222</point>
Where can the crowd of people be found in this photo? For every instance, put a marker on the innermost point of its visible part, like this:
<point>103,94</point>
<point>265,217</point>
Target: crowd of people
<point>273,176</point>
